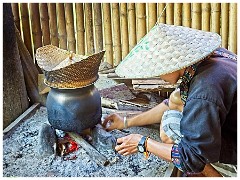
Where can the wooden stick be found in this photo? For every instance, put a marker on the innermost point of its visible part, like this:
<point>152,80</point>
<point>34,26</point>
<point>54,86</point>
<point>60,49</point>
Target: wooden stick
<point>89,28</point>
<point>98,26</point>
<point>108,32</point>
<point>132,26</point>
<point>196,16</point>
<point>233,27</point>
<point>152,15</point>
<point>206,16</point>
<point>124,30</point>
<point>26,27</point>
<point>186,15</point>
<point>9,129</point>
<point>80,28</point>
<point>70,27</point>
<point>170,13</point>
<point>45,23</point>
<point>161,7</point>
<point>178,14</point>
<point>15,10</point>
<point>225,24</point>
<point>141,20</point>
<point>53,24</point>
<point>116,34</point>
<point>61,26</point>
<point>93,153</point>
<point>215,15</point>
<point>36,25</point>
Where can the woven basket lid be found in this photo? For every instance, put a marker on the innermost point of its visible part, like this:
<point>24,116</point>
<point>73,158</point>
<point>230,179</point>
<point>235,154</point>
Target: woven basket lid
<point>66,70</point>
<point>165,49</point>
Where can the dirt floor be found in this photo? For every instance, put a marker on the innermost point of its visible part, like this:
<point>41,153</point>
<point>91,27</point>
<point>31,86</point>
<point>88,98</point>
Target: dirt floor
<point>20,157</point>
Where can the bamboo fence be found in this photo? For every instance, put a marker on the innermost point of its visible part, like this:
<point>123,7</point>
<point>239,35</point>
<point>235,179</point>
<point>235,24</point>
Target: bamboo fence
<point>87,28</point>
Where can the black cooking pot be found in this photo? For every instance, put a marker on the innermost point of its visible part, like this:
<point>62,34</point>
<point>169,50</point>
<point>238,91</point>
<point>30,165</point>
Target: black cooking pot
<point>74,110</point>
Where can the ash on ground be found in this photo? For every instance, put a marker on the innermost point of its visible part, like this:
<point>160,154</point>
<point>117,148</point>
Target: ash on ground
<point>20,157</point>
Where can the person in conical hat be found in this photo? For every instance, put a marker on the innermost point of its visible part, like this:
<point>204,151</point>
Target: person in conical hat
<point>207,125</point>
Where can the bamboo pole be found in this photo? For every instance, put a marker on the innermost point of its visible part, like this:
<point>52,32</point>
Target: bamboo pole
<point>225,24</point>
<point>186,19</point>
<point>26,27</point>
<point>170,13</point>
<point>141,20</point>
<point>70,27</point>
<point>45,23</point>
<point>132,25</point>
<point>116,34</point>
<point>15,11</point>
<point>152,15</point>
<point>98,26</point>
<point>215,15</point>
<point>89,28</point>
<point>196,16</point>
<point>233,27</point>
<point>62,32</point>
<point>36,26</point>
<point>124,29</point>
<point>80,28</point>
<point>53,24</point>
<point>178,14</point>
<point>108,32</point>
<point>161,7</point>
<point>206,16</point>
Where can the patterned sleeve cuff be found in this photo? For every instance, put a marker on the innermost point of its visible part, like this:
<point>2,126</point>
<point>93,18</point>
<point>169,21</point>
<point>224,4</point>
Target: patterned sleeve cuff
<point>176,157</point>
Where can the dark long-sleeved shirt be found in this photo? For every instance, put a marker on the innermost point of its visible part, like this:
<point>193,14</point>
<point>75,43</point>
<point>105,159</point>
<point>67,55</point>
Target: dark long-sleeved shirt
<point>209,123</point>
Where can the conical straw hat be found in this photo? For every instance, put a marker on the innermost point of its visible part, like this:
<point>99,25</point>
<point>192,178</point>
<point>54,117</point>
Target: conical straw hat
<point>63,69</point>
<point>165,49</point>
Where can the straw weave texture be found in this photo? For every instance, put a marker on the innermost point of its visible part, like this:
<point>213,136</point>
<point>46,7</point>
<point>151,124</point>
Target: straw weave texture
<point>165,49</point>
<point>76,73</point>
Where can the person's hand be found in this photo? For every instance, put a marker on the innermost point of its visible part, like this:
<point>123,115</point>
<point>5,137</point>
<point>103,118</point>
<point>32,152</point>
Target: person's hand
<point>128,144</point>
<point>113,121</point>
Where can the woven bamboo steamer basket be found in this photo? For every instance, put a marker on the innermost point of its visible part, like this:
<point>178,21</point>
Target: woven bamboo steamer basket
<point>67,70</point>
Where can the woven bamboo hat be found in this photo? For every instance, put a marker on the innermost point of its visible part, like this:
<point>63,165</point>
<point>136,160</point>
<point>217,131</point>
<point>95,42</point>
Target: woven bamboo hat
<point>64,69</point>
<point>165,49</point>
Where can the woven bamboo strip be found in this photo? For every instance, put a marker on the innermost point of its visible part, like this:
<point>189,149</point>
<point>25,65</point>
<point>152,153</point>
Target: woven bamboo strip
<point>141,20</point>
<point>152,15</point>
<point>53,24</point>
<point>186,19</point>
<point>15,10</point>
<point>215,15</point>
<point>196,16</point>
<point>70,27</point>
<point>108,32</point>
<point>161,12</point>
<point>36,26</point>
<point>80,28</point>
<point>233,27</point>
<point>206,8</point>
<point>178,14</point>
<point>116,34</point>
<point>132,25</point>
<point>62,33</point>
<point>26,27</point>
<point>170,13</point>
<point>89,28</point>
<point>124,29</point>
<point>98,26</point>
<point>45,23</point>
<point>225,24</point>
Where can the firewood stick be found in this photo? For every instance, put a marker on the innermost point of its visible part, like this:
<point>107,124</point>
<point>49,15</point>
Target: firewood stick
<point>96,156</point>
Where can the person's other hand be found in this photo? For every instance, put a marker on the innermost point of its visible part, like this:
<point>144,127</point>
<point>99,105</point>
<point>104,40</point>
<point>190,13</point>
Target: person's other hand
<point>128,144</point>
<point>113,121</point>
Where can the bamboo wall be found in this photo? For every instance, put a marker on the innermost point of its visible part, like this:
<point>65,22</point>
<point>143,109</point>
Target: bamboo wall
<point>86,28</point>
